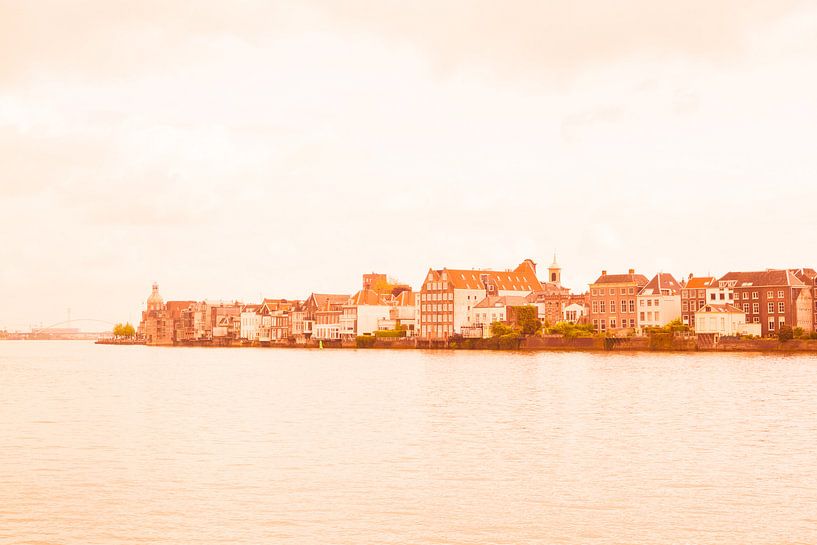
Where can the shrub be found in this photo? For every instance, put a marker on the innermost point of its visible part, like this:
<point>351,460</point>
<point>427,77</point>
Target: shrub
<point>785,333</point>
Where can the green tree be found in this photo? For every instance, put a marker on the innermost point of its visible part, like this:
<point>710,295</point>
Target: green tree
<point>118,330</point>
<point>785,333</point>
<point>128,330</point>
<point>527,319</point>
<point>498,329</point>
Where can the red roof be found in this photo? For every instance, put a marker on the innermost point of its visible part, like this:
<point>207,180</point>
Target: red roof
<point>638,279</point>
<point>700,282</point>
<point>660,284</point>
<point>769,277</point>
<point>522,278</point>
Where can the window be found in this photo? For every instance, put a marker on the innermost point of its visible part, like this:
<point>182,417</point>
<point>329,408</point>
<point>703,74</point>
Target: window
<point>603,325</point>
<point>641,316</point>
<point>612,308</point>
<point>780,294</point>
<point>754,295</point>
<point>781,307</point>
<point>771,325</point>
<point>632,306</point>
<point>723,296</point>
<point>685,306</point>
<point>649,302</point>
<point>601,307</point>
<point>632,322</point>
<point>623,291</point>
<point>755,308</point>
<point>612,323</point>
<point>700,304</point>
<point>781,321</point>
<point>595,308</point>
<point>612,291</point>
<point>746,308</point>
<point>756,320</point>
<point>593,291</point>
<point>701,294</point>
<point>631,291</point>
<point>771,308</point>
<point>595,324</point>
<point>657,317</point>
<point>712,296</point>
<point>641,302</point>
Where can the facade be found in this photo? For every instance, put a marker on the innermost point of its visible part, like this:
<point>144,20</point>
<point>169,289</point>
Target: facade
<point>575,313</point>
<point>613,301</point>
<point>156,326</point>
<point>321,315</point>
<point>772,298</point>
<point>448,295</point>
<point>694,295</point>
<point>659,301</point>
<point>724,320</point>
<point>494,308</point>
<point>402,314</point>
<point>273,324</point>
<point>362,312</point>
<point>250,320</point>
<point>809,277</point>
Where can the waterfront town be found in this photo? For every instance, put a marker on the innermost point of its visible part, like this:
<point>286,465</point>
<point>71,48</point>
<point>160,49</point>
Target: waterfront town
<point>454,305</point>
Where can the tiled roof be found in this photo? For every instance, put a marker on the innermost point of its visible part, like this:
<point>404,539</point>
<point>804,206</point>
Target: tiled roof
<point>522,278</point>
<point>660,283</point>
<point>494,301</point>
<point>368,297</point>
<point>405,299</point>
<point>638,279</point>
<point>769,277</point>
<point>700,282</point>
<point>723,309</point>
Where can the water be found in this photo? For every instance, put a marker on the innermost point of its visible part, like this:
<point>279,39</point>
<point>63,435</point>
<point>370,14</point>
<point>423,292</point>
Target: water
<point>124,445</point>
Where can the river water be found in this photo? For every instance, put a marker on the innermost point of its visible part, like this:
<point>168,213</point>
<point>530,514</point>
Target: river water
<point>131,444</point>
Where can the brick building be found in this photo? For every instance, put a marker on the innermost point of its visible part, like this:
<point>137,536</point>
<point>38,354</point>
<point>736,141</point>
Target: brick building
<point>772,298</point>
<point>448,295</point>
<point>613,301</point>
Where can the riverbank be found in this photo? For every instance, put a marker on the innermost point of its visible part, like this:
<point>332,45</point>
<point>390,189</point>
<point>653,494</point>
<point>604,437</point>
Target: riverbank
<point>656,343</point>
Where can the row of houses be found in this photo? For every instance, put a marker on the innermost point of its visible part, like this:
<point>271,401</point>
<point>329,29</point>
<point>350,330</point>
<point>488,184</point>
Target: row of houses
<point>465,302</point>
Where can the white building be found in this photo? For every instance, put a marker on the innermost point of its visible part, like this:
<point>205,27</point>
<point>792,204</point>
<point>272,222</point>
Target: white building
<point>659,301</point>
<point>250,320</point>
<point>491,309</point>
<point>362,312</point>
<point>574,312</point>
<point>726,320</point>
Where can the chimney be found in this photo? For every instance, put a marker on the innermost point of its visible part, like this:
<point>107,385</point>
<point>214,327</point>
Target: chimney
<point>690,276</point>
<point>604,273</point>
<point>631,271</point>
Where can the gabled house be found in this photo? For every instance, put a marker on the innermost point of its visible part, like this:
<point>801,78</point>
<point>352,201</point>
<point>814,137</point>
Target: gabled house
<point>613,301</point>
<point>448,295</point>
<point>659,301</point>
<point>321,315</point>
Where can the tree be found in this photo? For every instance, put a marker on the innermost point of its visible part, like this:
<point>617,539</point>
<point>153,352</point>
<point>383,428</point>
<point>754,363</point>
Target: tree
<point>128,330</point>
<point>121,330</point>
<point>527,319</point>
<point>785,333</point>
<point>498,329</point>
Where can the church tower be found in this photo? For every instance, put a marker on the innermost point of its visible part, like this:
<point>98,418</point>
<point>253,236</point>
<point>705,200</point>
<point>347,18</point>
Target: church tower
<point>155,302</point>
<point>555,272</point>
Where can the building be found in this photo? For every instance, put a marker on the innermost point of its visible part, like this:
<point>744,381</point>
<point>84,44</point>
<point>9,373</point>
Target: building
<point>772,298</point>
<point>723,320</point>
<point>274,325</point>
<point>659,301</point>
<point>613,301</point>
<point>448,295</point>
<point>402,314</point>
<point>575,313</point>
<point>694,296</point>
<point>156,326</point>
<point>809,277</point>
<point>321,316</point>
<point>250,320</point>
<point>494,308</point>
<point>362,312</point>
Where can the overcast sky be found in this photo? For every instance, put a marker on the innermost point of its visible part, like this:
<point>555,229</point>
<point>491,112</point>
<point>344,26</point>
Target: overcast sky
<point>239,149</point>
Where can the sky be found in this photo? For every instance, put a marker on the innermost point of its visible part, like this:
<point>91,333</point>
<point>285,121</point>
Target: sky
<point>234,150</point>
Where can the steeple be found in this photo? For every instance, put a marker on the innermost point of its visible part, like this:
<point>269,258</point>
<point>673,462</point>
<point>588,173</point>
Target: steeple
<point>155,301</point>
<point>555,272</point>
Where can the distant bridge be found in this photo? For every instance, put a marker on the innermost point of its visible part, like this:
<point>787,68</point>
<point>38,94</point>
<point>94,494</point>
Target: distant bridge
<point>71,321</point>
